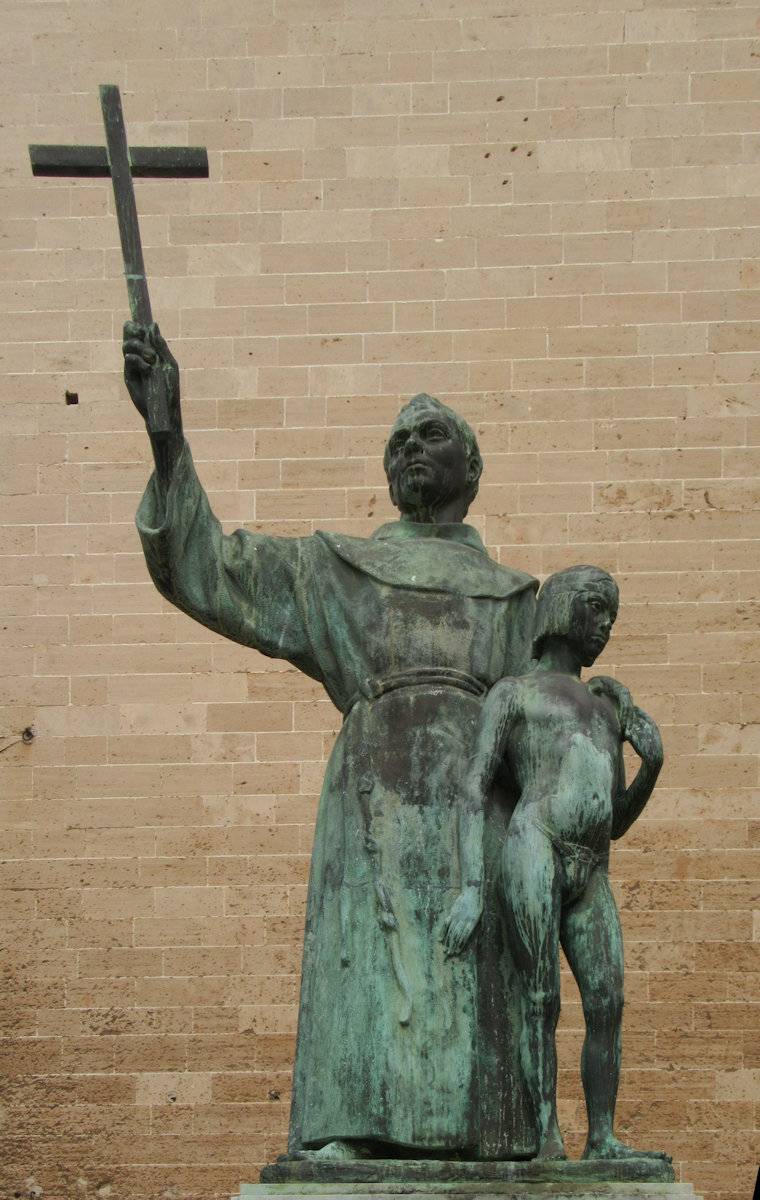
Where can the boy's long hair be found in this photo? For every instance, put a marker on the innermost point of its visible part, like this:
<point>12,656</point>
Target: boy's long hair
<point>554,608</point>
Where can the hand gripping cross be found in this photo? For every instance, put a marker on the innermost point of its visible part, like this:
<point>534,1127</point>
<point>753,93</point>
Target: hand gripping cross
<point>121,162</point>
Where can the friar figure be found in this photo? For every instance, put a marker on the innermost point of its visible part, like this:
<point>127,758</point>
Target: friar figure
<point>405,1045</point>
<point>562,741</point>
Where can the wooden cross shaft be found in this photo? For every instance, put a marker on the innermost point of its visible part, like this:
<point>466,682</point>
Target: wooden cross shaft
<point>117,160</point>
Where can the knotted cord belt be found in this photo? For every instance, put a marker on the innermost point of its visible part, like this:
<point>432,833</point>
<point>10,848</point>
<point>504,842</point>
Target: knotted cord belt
<point>372,688</point>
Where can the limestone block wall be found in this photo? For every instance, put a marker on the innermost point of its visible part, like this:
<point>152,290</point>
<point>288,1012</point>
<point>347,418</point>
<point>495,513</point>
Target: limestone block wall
<point>546,213</point>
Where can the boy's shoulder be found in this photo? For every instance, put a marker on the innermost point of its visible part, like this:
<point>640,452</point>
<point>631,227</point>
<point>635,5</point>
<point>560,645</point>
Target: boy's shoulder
<point>513,689</point>
<point>563,686</point>
<point>507,686</point>
<point>534,678</point>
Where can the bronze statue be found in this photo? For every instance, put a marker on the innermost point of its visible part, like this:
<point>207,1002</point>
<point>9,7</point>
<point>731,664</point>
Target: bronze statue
<point>562,741</point>
<point>407,1043</point>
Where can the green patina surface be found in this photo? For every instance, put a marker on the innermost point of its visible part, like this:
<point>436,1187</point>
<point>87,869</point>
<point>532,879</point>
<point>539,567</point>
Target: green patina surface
<point>561,740</point>
<point>399,1042</point>
<point>416,1037</point>
<point>393,1035</point>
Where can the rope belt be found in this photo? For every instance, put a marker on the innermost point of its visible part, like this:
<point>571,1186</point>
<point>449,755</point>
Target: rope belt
<point>372,688</point>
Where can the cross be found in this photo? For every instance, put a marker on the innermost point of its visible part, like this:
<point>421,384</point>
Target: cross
<point>121,162</point>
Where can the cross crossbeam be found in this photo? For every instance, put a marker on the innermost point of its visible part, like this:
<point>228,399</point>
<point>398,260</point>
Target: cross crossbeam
<point>148,162</point>
<point>123,164</point>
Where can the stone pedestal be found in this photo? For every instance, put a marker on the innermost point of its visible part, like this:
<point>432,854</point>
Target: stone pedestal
<point>467,1190</point>
<point>382,1179</point>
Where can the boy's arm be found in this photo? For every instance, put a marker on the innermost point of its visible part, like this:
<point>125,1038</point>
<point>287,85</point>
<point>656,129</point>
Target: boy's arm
<point>494,723</point>
<point>630,802</point>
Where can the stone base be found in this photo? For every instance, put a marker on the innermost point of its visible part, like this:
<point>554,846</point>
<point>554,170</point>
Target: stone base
<point>403,1172</point>
<point>468,1189</point>
<point>430,1179</point>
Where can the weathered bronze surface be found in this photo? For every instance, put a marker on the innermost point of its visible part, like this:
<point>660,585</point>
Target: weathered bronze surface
<point>562,741</point>
<point>417,1040</point>
<point>147,162</point>
<point>408,1033</point>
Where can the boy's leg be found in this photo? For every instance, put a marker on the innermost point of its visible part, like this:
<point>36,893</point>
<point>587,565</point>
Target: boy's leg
<point>532,903</point>
<point>593,943</point>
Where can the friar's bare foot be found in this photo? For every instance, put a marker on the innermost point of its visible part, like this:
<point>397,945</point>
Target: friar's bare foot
<point>552,1149</point>
<point>337,1151</point>
<point>610,1148</point>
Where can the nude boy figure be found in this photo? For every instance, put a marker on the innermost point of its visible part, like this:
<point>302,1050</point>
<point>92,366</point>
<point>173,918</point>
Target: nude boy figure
<point>562,741</point>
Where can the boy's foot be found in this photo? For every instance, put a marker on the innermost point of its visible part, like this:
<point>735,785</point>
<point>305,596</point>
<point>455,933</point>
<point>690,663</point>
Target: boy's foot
<point>552,1149</point>
<point>610,1148</point>
<point>337,1151</point>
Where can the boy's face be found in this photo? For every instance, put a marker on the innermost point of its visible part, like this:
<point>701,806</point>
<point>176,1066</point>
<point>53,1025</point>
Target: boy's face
<point>593,615</point>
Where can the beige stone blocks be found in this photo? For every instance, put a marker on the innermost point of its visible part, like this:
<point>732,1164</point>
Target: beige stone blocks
<point>546,215</point>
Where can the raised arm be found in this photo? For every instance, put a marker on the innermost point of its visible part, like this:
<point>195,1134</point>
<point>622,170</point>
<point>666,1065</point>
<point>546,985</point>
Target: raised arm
<point>494,726</point>
<point>149,363</point>
<point>248,587</point>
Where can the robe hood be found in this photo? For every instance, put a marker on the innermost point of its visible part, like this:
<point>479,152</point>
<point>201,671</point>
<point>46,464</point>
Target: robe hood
<point>446,558</point>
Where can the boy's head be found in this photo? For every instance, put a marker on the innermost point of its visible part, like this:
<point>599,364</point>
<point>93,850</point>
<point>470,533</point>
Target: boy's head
<point>578,604</point>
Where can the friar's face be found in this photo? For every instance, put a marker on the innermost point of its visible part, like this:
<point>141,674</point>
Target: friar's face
<point>426,461</point>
